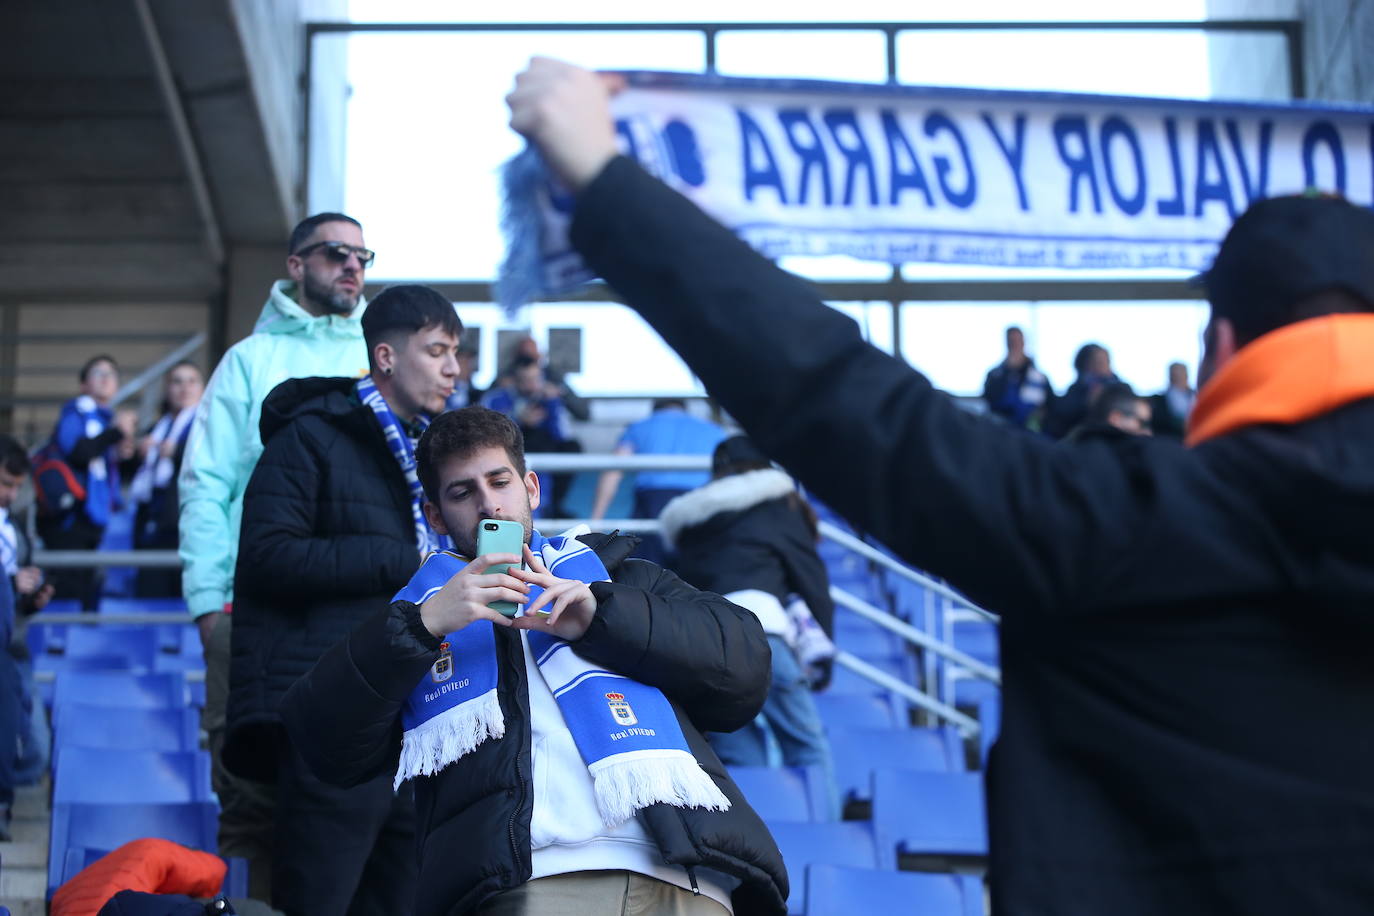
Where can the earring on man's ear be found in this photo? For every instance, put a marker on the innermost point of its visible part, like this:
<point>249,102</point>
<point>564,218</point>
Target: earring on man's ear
<point>386,371</point>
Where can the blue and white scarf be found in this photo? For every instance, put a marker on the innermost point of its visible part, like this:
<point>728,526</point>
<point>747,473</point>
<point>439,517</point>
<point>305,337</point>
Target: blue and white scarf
<point>626,731</point>
<point>404,450</point>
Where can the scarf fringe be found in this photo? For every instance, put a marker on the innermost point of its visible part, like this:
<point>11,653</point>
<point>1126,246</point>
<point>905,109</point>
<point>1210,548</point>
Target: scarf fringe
<point>624,786</point>
<point>428,748</point>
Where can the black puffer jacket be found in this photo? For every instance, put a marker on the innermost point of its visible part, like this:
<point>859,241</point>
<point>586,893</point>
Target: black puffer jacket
<point>327,537</point>
<point>1185,632</point>
<point>746,532</point>
<point>708,656</point>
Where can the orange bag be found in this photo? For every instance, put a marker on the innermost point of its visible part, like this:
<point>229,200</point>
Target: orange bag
<point>150,865</point>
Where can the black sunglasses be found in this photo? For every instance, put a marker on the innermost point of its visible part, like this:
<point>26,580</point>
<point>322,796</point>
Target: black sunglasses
<point>340,252</point>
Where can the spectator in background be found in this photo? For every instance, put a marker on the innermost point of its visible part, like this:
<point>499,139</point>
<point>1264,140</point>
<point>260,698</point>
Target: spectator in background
<point>749,536</point>
<point>22,591</point>
<point>526,348</point>
<point>1014,389</point>
<point>465,391</point>
<point>332,528</point>
<point>668,430</point>
<point>311,325</point>
<point>1094,367</point>
<point>1115,411</point>
<point>91,440</point>
<point>154,487</point>
<point>1174,404</point>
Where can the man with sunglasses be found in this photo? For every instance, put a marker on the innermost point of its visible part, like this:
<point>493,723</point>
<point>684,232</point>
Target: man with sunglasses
<point>310,326</point>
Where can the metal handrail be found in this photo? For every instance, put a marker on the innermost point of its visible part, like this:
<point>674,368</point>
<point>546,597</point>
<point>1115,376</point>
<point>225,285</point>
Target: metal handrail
<point>911,634</point>
<point>966,724</point>
<point>869,552</point>
<point>155,372</point>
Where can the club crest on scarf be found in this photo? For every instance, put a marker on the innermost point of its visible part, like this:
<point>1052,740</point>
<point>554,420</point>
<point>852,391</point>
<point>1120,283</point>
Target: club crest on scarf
<point>637,755</point>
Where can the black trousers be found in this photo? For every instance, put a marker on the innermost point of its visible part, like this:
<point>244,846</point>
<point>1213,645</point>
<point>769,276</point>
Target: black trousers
<point>80,534</point>
<point>342,852</point>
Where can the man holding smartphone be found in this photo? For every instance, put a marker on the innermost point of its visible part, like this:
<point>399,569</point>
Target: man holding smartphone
<point>557,755</point>
<point>332,525</point>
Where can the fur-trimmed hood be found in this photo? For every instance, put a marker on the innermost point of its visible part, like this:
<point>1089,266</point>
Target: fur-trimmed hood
<point>728,494</point>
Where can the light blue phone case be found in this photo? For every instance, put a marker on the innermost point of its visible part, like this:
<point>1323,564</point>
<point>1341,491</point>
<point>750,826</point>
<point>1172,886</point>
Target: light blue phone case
<point>501,536</point>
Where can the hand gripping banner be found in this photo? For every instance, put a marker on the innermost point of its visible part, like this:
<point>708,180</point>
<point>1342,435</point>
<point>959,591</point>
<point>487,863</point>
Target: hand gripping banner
<point>898,173</point>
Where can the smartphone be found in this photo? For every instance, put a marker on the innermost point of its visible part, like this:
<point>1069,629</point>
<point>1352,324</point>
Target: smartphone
<point>501,536</point>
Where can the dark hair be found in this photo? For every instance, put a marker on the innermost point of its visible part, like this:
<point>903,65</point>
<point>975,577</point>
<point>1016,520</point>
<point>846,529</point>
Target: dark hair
<point>405,310</point>
<point>665,403</point>
<point>1117,397</point>
<point>93,362</point>
<point>306,228</point>
<point>739,455</point>
<point>1084,357</point>
<point>523,362</point>
<point>13,458</point>
<point>461,433</point>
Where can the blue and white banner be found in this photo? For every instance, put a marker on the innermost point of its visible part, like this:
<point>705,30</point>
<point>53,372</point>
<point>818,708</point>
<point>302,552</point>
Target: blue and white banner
<point>895,173</point>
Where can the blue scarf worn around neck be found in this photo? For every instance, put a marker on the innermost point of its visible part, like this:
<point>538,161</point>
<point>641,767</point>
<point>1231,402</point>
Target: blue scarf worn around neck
<point>404,450</point>
<point>626,731</point>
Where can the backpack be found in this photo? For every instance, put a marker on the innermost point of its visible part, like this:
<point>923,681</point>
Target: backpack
<point>55,484</point>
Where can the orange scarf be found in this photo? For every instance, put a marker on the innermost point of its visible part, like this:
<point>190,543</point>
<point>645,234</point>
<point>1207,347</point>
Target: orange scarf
<point>1300,371</point>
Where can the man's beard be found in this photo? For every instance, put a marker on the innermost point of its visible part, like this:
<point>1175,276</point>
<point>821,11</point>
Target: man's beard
<point>335,303</point>
<point>465,542</point>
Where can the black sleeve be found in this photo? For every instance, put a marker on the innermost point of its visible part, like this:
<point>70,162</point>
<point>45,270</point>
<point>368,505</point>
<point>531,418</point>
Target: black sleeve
<point>280,546</point>
<point>708,655</point>
<point>345,714</point>
<point>957,495</point>
<point>85,450</point>
<point>994,385</point>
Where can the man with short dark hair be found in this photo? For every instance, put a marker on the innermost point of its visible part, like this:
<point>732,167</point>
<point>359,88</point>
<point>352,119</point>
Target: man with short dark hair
<point>558,755</point>
<point>1015,389</point>
<point>1185,631</point>
<point>1116,410</point>
<point>332,527</point>
<point>311,325</point>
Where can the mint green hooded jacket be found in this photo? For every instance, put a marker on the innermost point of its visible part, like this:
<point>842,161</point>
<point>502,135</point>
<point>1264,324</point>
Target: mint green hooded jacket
<point>224,444</point>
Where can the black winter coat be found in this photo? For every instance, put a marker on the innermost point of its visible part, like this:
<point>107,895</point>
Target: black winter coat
<point>708,656</point>
<point>327,537</point>
<point>746,532</point>
<point>1186,631</point>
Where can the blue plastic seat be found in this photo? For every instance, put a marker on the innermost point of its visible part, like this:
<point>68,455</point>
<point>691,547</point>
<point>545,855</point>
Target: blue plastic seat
<point>784,793</point>
<point>833,890</point>
<point>864,638</point>
<point>861,710</point>
<point>111,605</point>
<point>102,776</point>
<point>972,692</point>
<point>837,843</point>
<point>131,729</point>
<point>977,638</point>
<point>990,726</point>
<point>856,752</point>
<point>901,666</point>
<point>102,826</point>
<point>165,690</point>
<point>928,814</point>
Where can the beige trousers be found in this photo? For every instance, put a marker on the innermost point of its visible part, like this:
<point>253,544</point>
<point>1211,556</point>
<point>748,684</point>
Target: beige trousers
<point>599,893</point>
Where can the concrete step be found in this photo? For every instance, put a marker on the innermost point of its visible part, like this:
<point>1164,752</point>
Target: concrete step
<point>26,907</point>
<point>23,884</point>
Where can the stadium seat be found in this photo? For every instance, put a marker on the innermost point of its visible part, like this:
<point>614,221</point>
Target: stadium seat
<point>165,690</point>
<point>902,666</point>
<point>973,692</point>
<point>102,776</point>
<point>785,793</point>
<point>111,605</point>
<point>858,751</point>
<point>102,826</point>
<point>990,725</point>
<point>860,710</point>
<point>928,815</point>
<point>865,639</point>
<point>130,729</point>
<point>833,890</point>
<point>841,843</point>
<point>977,638</point>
